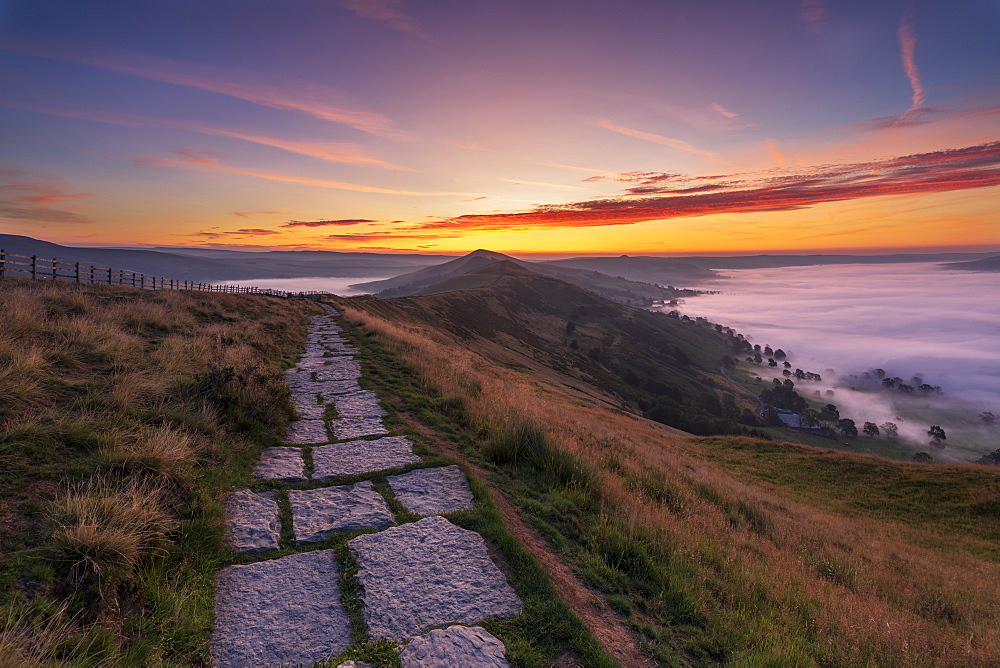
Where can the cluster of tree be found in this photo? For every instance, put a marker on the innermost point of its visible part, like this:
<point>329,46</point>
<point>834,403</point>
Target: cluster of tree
<point>916,384</point>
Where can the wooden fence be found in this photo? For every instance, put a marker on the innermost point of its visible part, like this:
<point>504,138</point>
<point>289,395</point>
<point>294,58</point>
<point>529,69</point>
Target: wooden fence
<point>54,269</point>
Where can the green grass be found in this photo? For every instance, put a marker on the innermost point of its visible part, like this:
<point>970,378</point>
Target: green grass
<point>958,502</point>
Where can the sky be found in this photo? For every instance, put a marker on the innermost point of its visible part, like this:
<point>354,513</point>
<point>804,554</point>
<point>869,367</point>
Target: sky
<point>543,126</point>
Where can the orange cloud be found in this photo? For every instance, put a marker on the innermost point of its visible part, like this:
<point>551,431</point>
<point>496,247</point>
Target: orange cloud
<point>656,139</point>
<point>325,223</point>
<point>205,162</point>
<point>775,152</point>
<point>25,197</point>
<point>660,196</point>
<point>313,99</point>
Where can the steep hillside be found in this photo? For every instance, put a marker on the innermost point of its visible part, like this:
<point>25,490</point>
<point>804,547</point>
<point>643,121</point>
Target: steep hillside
<point>642,361</point>
<point>610,287</point>
<point>721,551</point>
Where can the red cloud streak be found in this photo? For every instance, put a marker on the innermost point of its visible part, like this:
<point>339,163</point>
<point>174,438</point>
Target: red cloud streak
<point>656,199</point>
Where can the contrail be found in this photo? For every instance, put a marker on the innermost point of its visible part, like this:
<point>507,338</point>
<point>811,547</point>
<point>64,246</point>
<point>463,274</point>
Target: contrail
<point>907,45</point>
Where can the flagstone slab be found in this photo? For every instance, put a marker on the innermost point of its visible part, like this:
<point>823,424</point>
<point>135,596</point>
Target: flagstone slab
<point>311,411</point>
<point>252,523</point>
<point>281,612</point>
<point>326,387</point>
<point>425,574</point>
<point>281,465</point>
<point>340,368</point>
<point>352,457</point>
<point>363,403</point>
<point>432,491</point>
<point>466,646</point>
<point>357,427</point>
<point>319,513</point>
<point>307,431</point>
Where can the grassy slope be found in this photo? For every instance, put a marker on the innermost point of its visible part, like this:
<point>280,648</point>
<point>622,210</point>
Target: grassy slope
<point>717,550</point>
<point>127,416</point>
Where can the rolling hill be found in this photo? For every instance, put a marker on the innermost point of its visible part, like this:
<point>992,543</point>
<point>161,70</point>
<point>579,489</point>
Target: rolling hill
<point>616,288</point>
<point>986,264</point>
<point>223,265</point>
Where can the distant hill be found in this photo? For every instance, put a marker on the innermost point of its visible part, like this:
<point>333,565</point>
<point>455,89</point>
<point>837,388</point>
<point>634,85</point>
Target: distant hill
<point>223,265</point>
<point>660,270</point>
<point>663,367</point>
<point>772,261</point>
<point>986,264</point>
<point>610,287</point>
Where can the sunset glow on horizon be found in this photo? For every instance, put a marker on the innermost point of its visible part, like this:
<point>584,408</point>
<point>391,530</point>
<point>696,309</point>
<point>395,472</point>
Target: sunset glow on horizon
<point>528,128</point>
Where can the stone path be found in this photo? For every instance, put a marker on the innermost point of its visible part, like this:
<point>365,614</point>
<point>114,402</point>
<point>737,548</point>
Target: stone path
<point>420,581</point>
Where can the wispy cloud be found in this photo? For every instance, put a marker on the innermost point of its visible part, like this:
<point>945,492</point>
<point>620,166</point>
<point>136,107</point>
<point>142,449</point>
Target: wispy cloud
<point>925,115</point>
<point>813,15</point>
<point>237,234</point>
<point>388,12</point>
<point>306,97</point>
<point>326,223</point>
<point>203,161</point>
<point>251,214</point>
<point>27,198</point>
<point>774,152</point>
<point>907,49</point>
<point>542,184</point>
<point>338,152</point>
<point>722,111</point>
<point>661,196</point>
<point>656,139</point>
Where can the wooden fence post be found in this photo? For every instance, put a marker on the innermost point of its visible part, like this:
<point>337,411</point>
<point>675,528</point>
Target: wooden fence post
<point>54,268</point>
<point>3,256</point>
<point>77,272</point>
<point>34,267</point>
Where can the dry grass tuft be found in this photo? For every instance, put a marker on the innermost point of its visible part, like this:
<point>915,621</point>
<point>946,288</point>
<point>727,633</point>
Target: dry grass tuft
<point>104,530</point>
<point>161,451</point>
<point>29,639</point>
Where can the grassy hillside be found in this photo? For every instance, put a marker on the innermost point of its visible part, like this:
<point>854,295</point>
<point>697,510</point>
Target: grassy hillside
<point>641,361</point>
<point>721,550</point>
<point>126,416</point>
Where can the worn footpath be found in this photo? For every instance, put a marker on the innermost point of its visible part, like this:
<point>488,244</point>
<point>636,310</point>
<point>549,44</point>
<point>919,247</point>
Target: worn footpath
<point>424,584</point>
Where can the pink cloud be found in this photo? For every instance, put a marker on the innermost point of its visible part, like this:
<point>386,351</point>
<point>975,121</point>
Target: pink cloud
<point>907,48</point>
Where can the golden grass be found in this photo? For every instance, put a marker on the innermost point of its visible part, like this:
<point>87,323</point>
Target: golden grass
<point>116,406</point>
<point>104,529</point>
<point>775,578</point>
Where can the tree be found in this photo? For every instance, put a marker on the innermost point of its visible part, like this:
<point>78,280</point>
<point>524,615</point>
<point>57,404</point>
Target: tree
<point>829,413</point>
<point>779,354</point>
<point>879,373</point>
<point>757,359</point>
<point>570,328</point>
<point>890,429</point>
<point>767,350</point>
<point>988,417</point>
<point>922,457</point>
<point>870,429</point>
<point>771,362</point>
<point>847,427</point>
<point>888,383</point>
<point>937,436</point>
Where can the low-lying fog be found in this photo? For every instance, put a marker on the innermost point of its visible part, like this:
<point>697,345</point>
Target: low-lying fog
<point>908,319</point>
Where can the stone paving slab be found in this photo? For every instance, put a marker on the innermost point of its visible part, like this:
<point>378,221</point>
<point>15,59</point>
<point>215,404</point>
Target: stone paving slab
<point>363,403</point>
<point>252,523</point>
<point>341,368</point>
<point>327,387</point>
<point>307,431</point>
<point>425,574</point>
<point>279,612</point>
<point>318,513</point>
<point>355,457</point>
<point>338,387</point>
<point>465,646</point>
<point>434,491</point>
<point>311,411</point>
<point>357,427</point>
<point>281,465</point>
